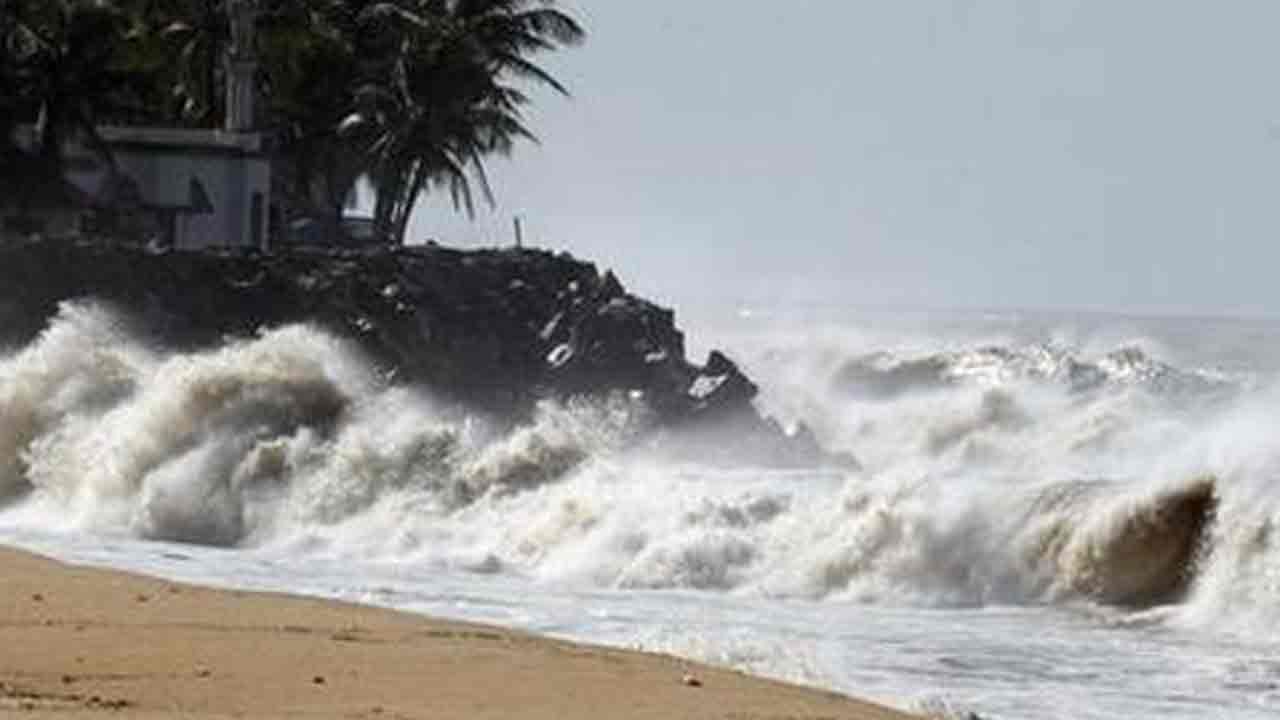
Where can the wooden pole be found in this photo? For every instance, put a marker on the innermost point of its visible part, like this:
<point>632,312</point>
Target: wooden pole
<point>519,231</point>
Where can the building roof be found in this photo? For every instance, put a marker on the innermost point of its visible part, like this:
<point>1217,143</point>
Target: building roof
<point>171,139</point>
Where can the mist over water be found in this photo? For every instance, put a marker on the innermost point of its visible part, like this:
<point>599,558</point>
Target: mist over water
<point>1049,509</point>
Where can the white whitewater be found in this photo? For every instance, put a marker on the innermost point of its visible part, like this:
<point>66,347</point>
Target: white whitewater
<point>1055,517</point>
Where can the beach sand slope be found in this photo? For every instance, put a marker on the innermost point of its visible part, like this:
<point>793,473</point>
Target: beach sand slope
<point>81,642</point>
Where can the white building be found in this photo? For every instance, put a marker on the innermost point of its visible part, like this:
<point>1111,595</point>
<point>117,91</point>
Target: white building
<point>185,188</point>
<point>205,188</point>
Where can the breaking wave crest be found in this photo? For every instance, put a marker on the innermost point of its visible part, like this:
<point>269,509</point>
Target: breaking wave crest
<point>235,444</point>
<point>999,475</point>
<point>886,375</point>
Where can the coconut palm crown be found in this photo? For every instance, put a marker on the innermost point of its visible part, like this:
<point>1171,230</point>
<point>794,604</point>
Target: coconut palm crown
<point>447,96</point>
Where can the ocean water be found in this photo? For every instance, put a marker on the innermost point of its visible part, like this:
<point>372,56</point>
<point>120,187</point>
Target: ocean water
<point>1056,515</point>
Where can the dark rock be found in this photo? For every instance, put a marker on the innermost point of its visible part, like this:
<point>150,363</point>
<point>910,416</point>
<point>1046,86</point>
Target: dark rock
<point>493,330</point>
<point>720,387</point>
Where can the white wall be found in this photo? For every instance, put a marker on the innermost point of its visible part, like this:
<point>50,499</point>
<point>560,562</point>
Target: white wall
<point>229,181</point>
<point>162,161</point>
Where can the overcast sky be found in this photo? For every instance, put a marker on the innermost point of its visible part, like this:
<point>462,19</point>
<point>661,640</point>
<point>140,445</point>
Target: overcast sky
<point>1093,154</point>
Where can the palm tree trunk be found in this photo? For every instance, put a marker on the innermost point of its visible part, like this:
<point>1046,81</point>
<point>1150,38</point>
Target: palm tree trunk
<point>390,182</point>
<point>420,176</point>
<point>50,140</point>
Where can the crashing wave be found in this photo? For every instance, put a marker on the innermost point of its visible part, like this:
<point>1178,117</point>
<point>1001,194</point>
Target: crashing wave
<point>886,375</point>
<point>290,437</point>
<point>290,427</point>
<point>1133,551</point>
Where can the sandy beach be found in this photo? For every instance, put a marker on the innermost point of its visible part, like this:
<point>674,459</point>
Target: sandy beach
<point>84,642</point>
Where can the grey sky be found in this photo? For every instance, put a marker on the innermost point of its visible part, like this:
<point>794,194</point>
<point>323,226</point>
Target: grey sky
<point>1103,154</point>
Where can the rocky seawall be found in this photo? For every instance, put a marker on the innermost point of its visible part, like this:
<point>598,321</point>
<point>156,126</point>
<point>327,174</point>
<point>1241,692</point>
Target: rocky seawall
<point>491,330</point>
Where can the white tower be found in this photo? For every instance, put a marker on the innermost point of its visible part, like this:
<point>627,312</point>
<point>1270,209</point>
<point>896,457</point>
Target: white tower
<point>242,65</point>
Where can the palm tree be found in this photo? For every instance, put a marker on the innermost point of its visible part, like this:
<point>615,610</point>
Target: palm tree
<point>197,32</point>
<point>446,98</point>
<point>311,62</point>
<point>413,94</point>
<point>12,60</point>
<point>70,70</point>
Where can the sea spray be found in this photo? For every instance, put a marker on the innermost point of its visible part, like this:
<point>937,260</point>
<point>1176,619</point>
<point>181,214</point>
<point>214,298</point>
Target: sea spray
<point>1041,521</point>
<point>1000,478</point>
<point>1237,582</point>
<point>408,478</point>
<point>79,366</point>
<point>266,434</point>
<point>167,455</point>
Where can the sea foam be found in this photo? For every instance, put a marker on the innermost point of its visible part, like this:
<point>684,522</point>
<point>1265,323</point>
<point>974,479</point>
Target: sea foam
<point>992,475</point>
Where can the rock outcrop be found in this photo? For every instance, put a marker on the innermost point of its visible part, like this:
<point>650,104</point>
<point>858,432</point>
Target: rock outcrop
<point>493,330</point>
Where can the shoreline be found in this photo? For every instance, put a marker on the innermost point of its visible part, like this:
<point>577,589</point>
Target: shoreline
<point>87,642</point>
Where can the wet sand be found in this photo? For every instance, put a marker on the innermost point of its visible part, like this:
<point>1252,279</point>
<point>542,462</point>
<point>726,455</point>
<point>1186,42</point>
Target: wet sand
<point>79,642</point>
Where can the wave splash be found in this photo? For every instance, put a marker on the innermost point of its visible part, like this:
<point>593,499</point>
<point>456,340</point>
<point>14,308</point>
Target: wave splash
<point>1005,474</point>
<point>1023,471</point>
<point>229,446</point>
